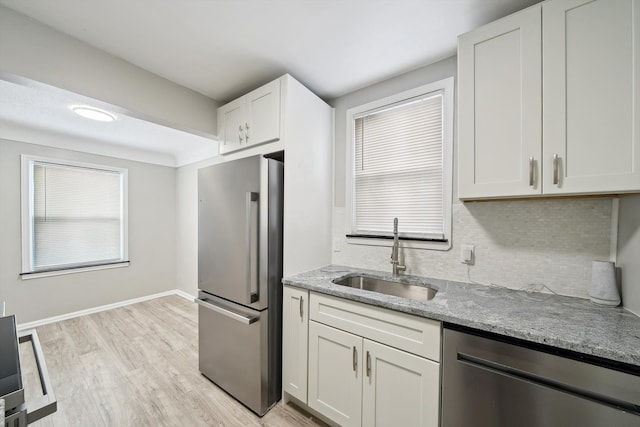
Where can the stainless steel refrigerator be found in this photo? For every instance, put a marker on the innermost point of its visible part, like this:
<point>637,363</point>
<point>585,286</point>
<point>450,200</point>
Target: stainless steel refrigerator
<point>240,278</point>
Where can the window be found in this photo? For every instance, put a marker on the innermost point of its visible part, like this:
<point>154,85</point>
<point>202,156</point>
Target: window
<point>74,216</point>
<point>401,166</point>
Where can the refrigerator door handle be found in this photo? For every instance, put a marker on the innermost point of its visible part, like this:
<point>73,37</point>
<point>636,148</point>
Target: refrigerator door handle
<point>226,312</point>
<point>251,246</point>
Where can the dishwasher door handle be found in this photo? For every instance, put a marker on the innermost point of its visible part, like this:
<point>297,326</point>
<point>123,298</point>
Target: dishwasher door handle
<point>247,320</point>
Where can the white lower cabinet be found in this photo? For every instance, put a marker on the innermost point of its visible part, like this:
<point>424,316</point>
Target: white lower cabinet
<point>335,374</point>
<point>367,366</point>
<point>399,389</point>
<point>295,318</point>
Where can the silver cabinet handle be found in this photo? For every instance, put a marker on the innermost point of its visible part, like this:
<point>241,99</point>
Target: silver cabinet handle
<point>301,307</point>
<point>355,359</point>
<point>246,131</point>
<point>240,133</point>
<point>225,312</point>
<point>556,178</point>
<point>368,364</point>
<point>531,171</point>
<point>251,247</point>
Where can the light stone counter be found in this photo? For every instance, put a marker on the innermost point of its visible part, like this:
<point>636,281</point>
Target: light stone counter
<point>569,323</point>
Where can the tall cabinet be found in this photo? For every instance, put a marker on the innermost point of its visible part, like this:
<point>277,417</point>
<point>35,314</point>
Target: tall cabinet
<point>283,115</point>
<point>549,103</point>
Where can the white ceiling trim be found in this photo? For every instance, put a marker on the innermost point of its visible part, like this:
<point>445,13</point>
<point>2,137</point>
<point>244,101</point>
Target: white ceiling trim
<point>45,137</point>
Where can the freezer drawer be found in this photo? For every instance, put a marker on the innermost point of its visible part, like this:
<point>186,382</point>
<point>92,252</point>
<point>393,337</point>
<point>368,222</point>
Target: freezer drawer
<point>486,382</point>
<point>233,352</point>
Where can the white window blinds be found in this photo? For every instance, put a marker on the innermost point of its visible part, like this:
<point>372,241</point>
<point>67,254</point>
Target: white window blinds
<point>76,216</point>
<point>398,168</point>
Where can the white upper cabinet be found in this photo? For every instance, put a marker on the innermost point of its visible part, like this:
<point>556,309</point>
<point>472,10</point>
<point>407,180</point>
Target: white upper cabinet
<point>572,128</point>
<point>499,107</point>
<point>263,114</point>
<point>591,107</point>
<point>231,120</point>
<point>251,119</point>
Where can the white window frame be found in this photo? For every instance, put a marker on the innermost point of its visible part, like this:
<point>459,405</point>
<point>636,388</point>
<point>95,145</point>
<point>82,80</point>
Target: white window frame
<point>447,88</point>
<point>27,212</point>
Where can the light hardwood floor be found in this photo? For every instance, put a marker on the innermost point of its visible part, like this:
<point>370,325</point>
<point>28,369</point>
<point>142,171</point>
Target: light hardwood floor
<point>138,366</point>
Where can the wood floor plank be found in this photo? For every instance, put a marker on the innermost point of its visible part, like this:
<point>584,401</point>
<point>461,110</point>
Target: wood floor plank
<point>138,366</point>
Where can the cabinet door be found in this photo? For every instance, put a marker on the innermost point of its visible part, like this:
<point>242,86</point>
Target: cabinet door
<point>591,96</point>
<point>499,107</point>
<point>400,389</point>
<point>295,322</point>
<point>231,121</point>
<point>335,374</point>
<point>263,114</point>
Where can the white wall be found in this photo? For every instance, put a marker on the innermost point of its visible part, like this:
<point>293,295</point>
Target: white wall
<point>187,227</point>
<point>152,241</point>
<point>35,51</point>
<point>530,244</point>
<point>629,251</point>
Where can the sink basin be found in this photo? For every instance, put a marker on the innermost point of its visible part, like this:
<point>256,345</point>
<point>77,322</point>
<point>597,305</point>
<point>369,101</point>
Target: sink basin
<point>388,287</point>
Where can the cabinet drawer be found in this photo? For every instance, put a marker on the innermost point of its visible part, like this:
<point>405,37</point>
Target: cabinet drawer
<point>406,332</point>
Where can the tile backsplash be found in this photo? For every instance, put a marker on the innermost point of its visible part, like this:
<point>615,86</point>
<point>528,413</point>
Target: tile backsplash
<point>544,245</point>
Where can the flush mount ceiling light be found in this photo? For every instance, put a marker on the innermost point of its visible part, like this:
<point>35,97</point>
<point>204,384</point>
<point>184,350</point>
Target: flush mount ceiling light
<point>93,113</point>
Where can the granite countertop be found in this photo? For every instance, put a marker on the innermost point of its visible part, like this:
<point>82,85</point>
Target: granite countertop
<point>565,322</point>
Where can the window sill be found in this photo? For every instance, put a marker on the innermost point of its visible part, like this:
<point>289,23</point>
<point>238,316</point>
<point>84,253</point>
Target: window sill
<point>39,274</point>
<point>434,245</point>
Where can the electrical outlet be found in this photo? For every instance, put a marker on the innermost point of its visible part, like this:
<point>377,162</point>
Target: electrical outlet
<point>467,254</point>
<point>337,245</point>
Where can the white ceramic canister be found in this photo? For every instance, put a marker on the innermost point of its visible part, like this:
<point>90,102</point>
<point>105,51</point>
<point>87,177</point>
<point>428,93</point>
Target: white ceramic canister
<point>604,290</point>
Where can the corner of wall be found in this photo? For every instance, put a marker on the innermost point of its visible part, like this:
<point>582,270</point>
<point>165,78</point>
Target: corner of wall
<point>40,53</point>
<point>629,251</point>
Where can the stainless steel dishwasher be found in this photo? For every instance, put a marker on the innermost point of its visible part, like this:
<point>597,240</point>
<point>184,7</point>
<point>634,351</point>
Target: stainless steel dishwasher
<point>492,381</point>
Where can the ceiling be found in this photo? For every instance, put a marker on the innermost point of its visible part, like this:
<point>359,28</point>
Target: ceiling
<point>224,48</point>
<point>42,115</point>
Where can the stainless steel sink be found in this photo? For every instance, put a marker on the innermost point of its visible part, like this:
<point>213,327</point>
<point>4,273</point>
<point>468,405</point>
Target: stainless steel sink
<point>388,287</point>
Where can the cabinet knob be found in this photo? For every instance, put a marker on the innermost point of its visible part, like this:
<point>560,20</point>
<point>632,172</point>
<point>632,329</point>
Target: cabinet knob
<point>240,137</point>
<point>556,174</point>
<point>246,130</point>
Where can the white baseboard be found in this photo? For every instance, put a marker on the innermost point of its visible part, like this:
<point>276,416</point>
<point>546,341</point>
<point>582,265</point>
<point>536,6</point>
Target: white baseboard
<point>36,323</point>
<point>185,295</point>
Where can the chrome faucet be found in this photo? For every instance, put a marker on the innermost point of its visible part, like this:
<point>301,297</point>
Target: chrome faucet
<point>396,267</point>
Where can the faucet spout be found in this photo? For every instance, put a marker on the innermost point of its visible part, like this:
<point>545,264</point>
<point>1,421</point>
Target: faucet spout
<point>396,267</point>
